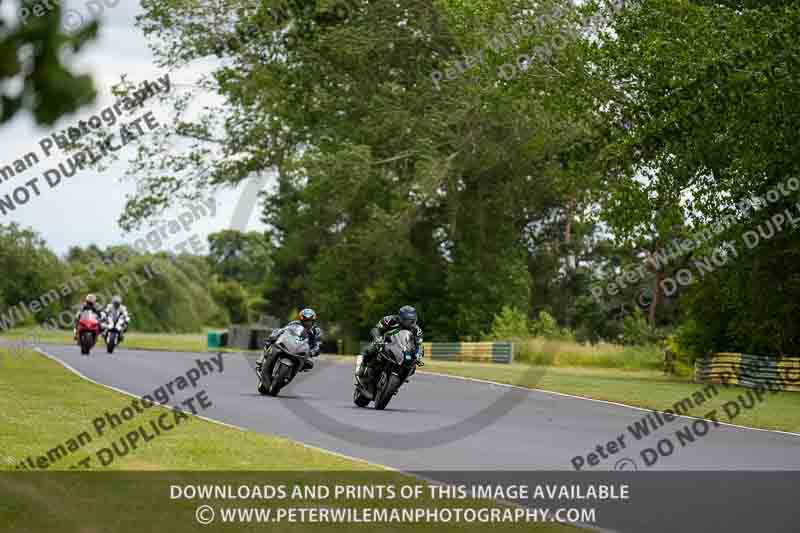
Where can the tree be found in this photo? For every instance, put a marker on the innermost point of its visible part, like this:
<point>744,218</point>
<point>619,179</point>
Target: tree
<point>241,257</point>
<point>32,52</point>
<point>701,100</point>
<point>31,269</point>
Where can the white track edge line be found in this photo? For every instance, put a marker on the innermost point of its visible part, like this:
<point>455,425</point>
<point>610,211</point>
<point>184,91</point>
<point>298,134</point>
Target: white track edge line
<point>308,446</point>
<point>207,419</point>
<point>529,389</point>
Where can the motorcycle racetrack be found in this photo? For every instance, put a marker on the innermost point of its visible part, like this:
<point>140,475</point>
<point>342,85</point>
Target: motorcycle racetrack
<point>441,423</point>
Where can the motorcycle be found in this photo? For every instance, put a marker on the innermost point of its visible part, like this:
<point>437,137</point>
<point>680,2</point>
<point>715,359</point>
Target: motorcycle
<point>115,327</point>
<point>394,363</point>
<point>286,358</point>
<point>88,331</point>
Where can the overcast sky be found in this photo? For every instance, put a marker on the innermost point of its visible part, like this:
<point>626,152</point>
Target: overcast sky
<point>85,208</point>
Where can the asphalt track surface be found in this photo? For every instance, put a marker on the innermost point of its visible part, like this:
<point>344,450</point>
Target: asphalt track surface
<point>435,422</point>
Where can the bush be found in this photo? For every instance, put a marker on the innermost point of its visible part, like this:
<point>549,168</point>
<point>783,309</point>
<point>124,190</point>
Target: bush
<point>546,326</point>
<point>233,298</point>
<point>636,330</point>
<point>509,324</point>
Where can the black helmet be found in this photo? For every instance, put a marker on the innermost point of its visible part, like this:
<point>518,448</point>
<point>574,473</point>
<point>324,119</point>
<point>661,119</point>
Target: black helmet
<point>408,316</point>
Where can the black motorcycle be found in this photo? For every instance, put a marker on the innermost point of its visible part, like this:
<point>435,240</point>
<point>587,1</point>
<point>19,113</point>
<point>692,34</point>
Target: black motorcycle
<point>286,357</point>
<point>395,362</point>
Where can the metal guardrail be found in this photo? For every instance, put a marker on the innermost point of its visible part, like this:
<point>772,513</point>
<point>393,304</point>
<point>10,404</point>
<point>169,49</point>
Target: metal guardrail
<point>749,370</point>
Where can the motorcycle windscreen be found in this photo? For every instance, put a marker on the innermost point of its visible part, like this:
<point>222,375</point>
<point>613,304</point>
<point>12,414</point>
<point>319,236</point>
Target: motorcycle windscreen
<point>400,345</point>
<point>293,341</point>
<point>88,316</point>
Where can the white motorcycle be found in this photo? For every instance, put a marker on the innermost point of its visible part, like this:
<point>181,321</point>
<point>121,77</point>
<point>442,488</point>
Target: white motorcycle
<point>115,325</point>
<point>287,357</point>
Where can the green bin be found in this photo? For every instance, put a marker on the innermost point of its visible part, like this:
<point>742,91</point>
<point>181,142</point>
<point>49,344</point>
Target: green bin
<point>214,340</point>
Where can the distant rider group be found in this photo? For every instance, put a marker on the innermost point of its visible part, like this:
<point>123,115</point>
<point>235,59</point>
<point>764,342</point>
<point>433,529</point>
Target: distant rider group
<point>114,313</point>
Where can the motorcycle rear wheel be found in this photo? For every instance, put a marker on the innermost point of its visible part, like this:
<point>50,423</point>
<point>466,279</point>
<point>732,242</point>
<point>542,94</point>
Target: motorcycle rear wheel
<point>86,343</point>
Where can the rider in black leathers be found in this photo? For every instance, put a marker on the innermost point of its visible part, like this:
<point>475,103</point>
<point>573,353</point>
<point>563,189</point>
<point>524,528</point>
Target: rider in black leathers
<point>405,319</point>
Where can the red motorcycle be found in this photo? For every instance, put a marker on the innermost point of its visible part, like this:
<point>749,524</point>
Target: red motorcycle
<point>88,331</point>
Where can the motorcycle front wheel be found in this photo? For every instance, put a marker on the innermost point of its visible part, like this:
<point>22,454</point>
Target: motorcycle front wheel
<point>111,342</point>
<point>278,380</point>
<point>386,392</point>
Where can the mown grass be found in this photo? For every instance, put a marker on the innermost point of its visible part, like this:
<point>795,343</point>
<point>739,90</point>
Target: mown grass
<point>44,405</point>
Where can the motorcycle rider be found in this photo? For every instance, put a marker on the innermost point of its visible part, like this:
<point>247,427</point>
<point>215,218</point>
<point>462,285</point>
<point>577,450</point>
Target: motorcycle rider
<point>89,304</point>
<point>116,307</point>
<point>406,319</point>
<point>308,319</point>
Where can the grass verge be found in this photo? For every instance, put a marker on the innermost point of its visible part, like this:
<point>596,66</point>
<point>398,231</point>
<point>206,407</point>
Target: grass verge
<point>641,388</point>
<point>176,342</point>
<point>44,405</point>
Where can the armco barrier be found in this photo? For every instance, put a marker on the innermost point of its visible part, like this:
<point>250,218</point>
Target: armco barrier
<point>749,370</point>
<point>487,352</point>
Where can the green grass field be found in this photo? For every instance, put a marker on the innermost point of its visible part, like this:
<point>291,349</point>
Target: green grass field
<point>44,405</point>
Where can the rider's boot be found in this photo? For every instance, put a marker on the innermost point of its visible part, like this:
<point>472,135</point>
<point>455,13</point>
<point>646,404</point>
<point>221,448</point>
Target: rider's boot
<point>261,360</point>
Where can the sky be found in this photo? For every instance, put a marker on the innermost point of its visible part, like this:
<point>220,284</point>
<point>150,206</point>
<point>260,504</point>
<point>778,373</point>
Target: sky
<point>85,209</point>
